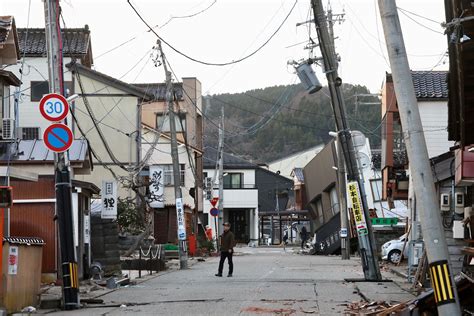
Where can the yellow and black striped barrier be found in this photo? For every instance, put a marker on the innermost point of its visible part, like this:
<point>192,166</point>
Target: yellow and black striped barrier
<point>441,282</point>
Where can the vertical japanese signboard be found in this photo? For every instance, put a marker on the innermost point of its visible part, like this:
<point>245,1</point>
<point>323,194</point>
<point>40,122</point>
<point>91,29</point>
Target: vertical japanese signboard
<point>359,217</point>
<point>180,216</point>
<point>157,187</point>
<point>87,229</point>
<point>109,200</point>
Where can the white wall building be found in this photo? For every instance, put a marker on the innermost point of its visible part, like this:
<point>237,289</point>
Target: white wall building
<point>240,196</point>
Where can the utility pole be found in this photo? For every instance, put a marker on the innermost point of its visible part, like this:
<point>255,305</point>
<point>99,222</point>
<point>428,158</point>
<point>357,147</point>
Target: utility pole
<point>180,218</point>
<point>341,181</point>
<point>70,284</point>
<point>427,202</point>
<point>221,174</point>
<point>366,239</point>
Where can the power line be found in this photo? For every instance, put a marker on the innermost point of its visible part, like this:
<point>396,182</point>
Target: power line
<point>420,16</point>
<point>421,24</point>
<point>188,16</point>
<point>212,63</point>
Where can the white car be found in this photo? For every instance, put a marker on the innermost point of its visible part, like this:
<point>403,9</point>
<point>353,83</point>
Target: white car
<point>392,250</point>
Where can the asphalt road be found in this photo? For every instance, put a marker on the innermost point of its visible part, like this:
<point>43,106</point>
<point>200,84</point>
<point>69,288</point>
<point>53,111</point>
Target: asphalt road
<point>267,281</point>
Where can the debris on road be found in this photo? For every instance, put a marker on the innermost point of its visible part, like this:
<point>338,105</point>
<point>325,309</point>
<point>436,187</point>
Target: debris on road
<point>373,308</point>
<point>268,310</point>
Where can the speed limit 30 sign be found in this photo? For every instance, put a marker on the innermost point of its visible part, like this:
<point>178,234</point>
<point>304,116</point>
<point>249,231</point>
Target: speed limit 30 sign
<point>54,107</point>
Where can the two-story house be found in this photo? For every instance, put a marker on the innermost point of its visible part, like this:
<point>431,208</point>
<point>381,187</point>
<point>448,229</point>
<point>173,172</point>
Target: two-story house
<point>27,166</point>
<point>240,195</point>
<point>252,194</point>
<point>452,182</point>
<point>156,148</point>
<point>108,114</point>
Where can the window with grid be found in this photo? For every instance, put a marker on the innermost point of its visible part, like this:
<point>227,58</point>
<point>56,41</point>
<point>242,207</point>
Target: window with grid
<point>168,174</point>
<point>30,133</point>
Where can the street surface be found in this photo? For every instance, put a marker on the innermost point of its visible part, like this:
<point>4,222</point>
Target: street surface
<point>266,281</point>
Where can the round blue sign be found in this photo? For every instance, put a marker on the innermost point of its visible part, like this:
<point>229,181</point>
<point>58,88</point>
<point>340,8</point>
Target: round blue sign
<point>58,137</point>
<point>214,211</point>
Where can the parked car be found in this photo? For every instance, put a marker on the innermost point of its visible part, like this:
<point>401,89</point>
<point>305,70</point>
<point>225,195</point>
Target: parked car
<point>392,250</point>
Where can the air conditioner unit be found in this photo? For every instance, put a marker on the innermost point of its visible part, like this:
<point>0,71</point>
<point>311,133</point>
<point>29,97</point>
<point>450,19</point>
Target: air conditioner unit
<point>445,202</point>
<point>8,128</point>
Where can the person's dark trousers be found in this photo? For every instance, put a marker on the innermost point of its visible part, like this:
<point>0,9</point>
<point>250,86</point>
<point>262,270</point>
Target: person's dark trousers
<point>302,243</point>
<point>224,255</point>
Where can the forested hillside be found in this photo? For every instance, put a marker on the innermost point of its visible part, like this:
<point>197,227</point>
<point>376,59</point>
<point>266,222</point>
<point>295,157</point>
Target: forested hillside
<point>267,124</point>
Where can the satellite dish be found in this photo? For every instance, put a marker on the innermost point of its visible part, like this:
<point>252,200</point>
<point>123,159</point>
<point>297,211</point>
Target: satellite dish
<point>358,139</point>
<point>364,160</point>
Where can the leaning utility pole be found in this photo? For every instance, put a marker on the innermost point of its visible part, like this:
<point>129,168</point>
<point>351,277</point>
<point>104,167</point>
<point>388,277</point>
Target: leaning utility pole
<point>70,285</point>
<point>221,174</point>
<point>180,218</point>
<point>365,235</point>
<point>341,181</point>
<point>421,173</point>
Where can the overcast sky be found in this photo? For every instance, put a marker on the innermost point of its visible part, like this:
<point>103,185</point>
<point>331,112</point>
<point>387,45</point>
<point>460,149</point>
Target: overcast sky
<point>230,29</point>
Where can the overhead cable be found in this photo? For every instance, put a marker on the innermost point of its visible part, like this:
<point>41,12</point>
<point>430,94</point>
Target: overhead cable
<point>212,63</point>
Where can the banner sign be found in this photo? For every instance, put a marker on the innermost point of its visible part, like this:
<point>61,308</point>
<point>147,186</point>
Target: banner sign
<point>109,200</point>
<point>181,220</point>
<point>13,260</point>
<point>354,196</point>
<point>157,187</point>
<point>87,229</point>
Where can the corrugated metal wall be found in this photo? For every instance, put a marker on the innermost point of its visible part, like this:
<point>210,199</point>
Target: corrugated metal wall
<point>35,219</point>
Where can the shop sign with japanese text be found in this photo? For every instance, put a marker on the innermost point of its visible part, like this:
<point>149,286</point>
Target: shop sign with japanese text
<point>354,197</point>
<point>109,200</point>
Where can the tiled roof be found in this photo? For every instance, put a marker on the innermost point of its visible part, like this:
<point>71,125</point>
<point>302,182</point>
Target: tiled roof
<point>298,172</point>
<point>76,41</point>
<point>159,89</point>
<point>430,84</point>
<point>6,25</point>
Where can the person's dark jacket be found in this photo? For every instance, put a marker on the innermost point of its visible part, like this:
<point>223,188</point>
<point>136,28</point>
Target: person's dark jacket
<point>304,233</point>
<point>227,241</point>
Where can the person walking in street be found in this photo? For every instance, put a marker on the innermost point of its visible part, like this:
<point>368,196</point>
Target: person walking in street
<point>304,236</point>
<point>227,250</point>
<point>285,240</point>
